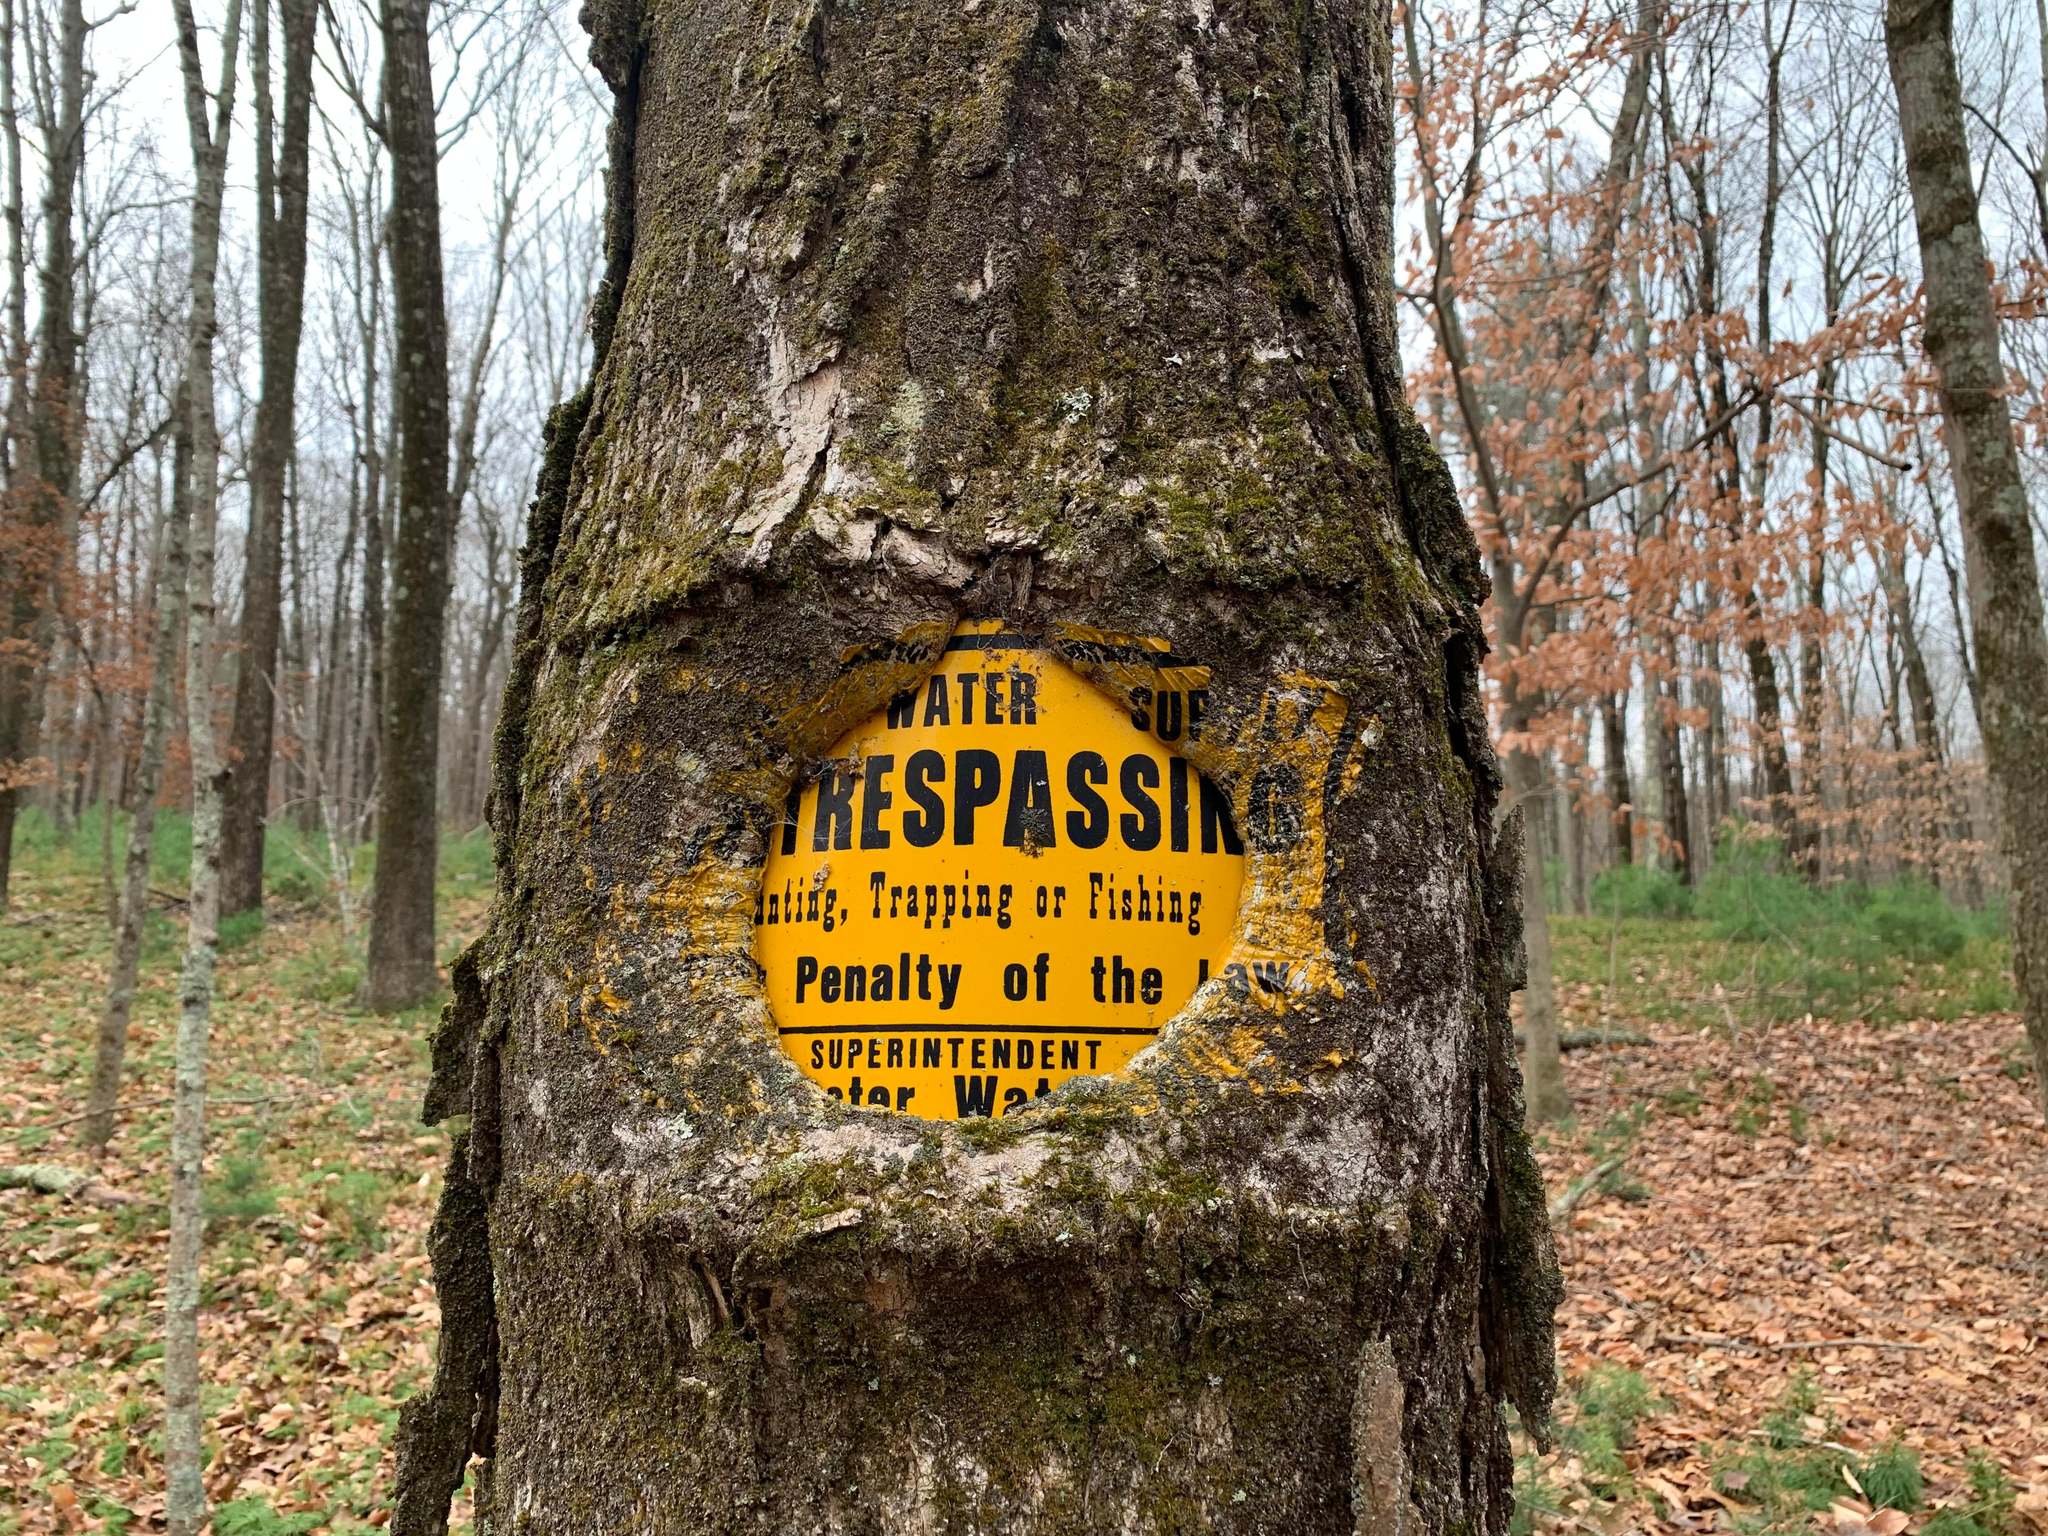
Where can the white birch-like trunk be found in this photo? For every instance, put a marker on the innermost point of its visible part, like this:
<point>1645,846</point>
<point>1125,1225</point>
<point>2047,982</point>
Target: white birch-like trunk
<point>185,1506</point>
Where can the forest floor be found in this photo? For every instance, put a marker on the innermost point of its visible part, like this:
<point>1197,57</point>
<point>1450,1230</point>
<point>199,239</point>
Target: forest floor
<point>1806,1261</point>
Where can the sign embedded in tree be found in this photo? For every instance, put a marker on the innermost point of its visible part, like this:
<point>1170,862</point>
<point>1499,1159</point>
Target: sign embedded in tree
<point>1004,880</point>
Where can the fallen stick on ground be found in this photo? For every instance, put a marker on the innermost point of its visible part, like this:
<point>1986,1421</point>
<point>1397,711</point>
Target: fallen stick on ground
<point>160,1101</point>
<point>55,1179</point>
<point>1725,1341</point>
<point>1581,1187</point>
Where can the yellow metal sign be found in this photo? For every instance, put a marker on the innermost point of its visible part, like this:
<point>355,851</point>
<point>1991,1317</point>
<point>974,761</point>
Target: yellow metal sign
<point>1002,881</point>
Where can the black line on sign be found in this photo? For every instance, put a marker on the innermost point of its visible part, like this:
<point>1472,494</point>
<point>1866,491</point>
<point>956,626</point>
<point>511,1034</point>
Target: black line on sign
<point>913,652</point>
<point>1102,652</point>
<point>1004,641</point>
<point>963,1029</point>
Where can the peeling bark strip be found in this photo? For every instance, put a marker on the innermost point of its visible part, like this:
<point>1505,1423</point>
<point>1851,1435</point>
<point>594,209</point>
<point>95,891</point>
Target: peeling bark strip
<point>1028,316</point>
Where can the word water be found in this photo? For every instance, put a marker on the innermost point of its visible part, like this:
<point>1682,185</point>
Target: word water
<point>1005,879</point>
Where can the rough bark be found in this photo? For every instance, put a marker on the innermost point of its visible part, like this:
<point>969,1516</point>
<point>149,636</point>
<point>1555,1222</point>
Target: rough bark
<point>111,1047</point>
<point>400,969</point>
<point>918,313</point>
<point>1961,338</point>
<point>282,163</point>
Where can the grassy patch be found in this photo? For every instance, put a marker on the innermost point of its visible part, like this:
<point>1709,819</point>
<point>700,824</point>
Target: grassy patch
<point>1596,1425</point>
<point>1988,1506</point>
<point>1756,944</point>
<point>319,1188</point>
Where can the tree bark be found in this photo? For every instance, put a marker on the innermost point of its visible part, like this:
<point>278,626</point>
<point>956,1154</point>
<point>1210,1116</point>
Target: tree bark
<point>916,314</point>
<point>44,460</point>
<point>1961,337</point>
<point>1665,704</point>
<point>1620,797</point>
<point>281,177</point>
<point>111,1048</point>
<point>1926,782</point>
<point>401,970</point>
<point>185,1512</point>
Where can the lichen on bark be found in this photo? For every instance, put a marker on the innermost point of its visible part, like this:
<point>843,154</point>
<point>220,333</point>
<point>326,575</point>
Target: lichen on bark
<point>1061,314</point>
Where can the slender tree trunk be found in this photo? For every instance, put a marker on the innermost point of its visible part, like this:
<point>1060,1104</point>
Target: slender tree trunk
<point>185,1512</point>
<point>1780,792</point>
<point>1671,766</point>
<point>1715,783</point>
<point>17,235</point>
<point>1542,1052</point>
<point>1620,796</point>
<point>401,969</point>
<point>993,365</point>
<point>133,909</point>
<point>1962,341</point>
<point>1927,782</point>
<point>281,178</point>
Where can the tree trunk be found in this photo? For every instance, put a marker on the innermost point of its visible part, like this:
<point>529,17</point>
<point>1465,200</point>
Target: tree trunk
<point>1085,331</point>
<point>1926,781</point>
<point>45,460</point>
<point>111,1049</point>
<point>1962,341</point>
<point>401,969</point>
<point>185,1512</point>
<point>1666,702</point>
<point>281,177</point>
<point>1620,797</point>
<point>1542,1048</point>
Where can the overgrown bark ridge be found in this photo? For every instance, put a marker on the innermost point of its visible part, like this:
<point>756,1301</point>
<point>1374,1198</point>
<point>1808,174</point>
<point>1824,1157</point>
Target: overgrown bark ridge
<point>1059,317</point>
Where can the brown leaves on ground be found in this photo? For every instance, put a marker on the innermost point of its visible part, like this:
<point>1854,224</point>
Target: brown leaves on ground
<point>318,1318</point>
<point>1854,1211</point>
<point>1865,1204</point>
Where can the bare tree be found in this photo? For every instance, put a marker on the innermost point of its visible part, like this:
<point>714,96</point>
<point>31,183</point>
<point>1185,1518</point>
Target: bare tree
<point>401,968</point>
<point>111,1046</point>
<point>282,168</point>
<point>1961,337</point>
<point>185,1506</point>
<point>43,422</point>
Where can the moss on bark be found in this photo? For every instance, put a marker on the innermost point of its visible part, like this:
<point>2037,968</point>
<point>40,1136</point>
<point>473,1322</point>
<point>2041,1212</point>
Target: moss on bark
<point>1063,314</point>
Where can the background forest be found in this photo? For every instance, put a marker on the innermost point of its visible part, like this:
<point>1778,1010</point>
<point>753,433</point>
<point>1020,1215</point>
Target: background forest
<point>292,290</point>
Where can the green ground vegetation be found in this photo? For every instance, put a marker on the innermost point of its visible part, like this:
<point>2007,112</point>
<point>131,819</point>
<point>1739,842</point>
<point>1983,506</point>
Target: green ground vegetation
<point>1754,943</point>
<point>319,1187</point>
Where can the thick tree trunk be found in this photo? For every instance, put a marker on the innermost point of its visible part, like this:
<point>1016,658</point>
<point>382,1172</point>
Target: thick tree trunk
<point>401,970</point>
<point>1962,341</point>
<point>920,314</point>
<point>281,177</point>
<point>45,456</point>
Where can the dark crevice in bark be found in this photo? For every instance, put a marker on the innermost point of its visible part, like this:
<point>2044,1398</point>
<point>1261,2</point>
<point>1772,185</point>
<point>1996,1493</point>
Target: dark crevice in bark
<point>1522,1281</point>
<point>457,1417</point>
<point>440,1429</point>
<point>1431,515</point>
